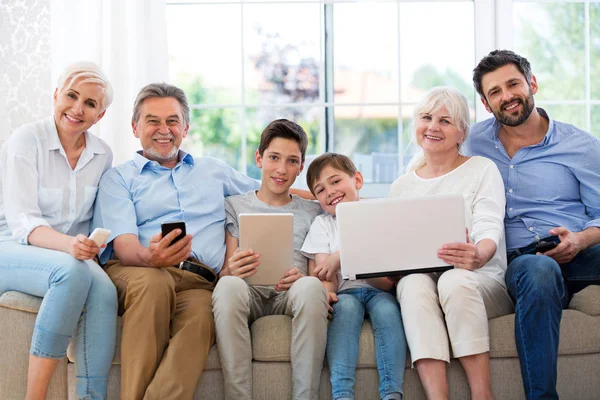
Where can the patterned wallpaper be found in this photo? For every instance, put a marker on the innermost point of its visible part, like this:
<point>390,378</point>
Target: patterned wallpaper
<point>25,64</point>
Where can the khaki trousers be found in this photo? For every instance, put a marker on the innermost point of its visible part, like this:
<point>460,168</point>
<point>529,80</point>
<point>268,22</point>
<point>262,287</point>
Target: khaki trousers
<point>168,330</point>
<point>236,305</point>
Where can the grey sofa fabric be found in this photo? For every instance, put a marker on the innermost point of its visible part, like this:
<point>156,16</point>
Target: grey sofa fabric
<point>579,360</point>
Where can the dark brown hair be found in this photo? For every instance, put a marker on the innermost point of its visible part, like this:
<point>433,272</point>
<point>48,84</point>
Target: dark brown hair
<point>334,160</point>
<point>497,59</point>
<point>286,129</point>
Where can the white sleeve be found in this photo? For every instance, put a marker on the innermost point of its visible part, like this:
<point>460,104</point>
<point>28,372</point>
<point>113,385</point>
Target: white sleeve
<point>489,207</point>
<point>19,185</point>
<point>318,239</point>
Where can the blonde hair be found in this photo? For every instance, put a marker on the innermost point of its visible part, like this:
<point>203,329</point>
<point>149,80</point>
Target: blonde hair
<point>432,102</point>
<point>86,72</point>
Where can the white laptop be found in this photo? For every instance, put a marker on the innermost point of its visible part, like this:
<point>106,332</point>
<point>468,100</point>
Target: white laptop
<point>272,237</point>
<point>387,237</point>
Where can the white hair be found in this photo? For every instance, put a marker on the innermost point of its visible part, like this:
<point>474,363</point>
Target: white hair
<point>436,98</point>
<point>86,72</point>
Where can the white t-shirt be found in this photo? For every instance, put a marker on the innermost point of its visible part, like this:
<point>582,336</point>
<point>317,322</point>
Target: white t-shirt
<point>480,182</point>
<point>38,186</point>
<point>323,238</point>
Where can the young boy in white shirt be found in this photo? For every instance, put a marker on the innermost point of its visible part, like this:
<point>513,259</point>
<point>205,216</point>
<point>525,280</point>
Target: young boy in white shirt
<point>236,304</point>
<point>333,179</point>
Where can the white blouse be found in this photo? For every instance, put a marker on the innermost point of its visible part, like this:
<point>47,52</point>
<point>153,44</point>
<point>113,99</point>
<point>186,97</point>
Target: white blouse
<point>480,183</point>
<point>38,186</point>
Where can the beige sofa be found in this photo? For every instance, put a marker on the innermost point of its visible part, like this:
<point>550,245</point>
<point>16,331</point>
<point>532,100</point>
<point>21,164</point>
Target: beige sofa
<point>578,368</point>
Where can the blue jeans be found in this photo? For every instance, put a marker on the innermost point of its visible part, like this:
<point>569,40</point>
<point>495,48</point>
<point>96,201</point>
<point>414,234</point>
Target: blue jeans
<point>540,289</point>
<point>78,298</point>
<point>343,337</point>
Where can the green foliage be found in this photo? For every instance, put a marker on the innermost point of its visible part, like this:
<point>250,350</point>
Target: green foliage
<point>428,76</point>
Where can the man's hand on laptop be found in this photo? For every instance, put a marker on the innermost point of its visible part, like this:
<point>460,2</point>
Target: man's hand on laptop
<point>163,254</point>
<point>288,279</point>
<point>243,263</point>
<point>327,269</point>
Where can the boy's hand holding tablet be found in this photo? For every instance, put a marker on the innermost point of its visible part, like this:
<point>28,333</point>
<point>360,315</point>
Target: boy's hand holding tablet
<point>243,263</point>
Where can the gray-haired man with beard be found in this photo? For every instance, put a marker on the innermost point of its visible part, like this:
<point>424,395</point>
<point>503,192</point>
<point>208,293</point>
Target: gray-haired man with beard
<point>551,173</point>
<point>168,326</point>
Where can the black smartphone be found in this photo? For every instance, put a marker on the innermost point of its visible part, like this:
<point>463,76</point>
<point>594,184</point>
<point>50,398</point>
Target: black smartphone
<point>544,246</point>
<point>167,227</point>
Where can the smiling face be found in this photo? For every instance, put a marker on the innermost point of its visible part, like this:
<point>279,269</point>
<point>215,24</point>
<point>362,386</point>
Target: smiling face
<point>508,95</point>
<point>334,186</point>
<point>77,107</point>
<point>437,132</point>
<point>281,163</point>
<point>161,128</point>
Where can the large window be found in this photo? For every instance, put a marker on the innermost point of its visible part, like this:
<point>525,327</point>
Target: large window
<point>351,72</point>
<point>561,39</point>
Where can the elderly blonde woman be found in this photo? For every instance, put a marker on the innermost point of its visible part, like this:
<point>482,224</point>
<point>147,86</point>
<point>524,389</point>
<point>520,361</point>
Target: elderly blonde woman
<point>49,174</point>
<point>456,304</point>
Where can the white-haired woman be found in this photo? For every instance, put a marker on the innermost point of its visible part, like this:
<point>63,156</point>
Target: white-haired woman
<point>455,304</point>
<point>49,174</point>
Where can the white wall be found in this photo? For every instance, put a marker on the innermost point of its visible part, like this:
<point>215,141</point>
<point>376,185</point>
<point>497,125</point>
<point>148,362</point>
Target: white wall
<point>25,64</point>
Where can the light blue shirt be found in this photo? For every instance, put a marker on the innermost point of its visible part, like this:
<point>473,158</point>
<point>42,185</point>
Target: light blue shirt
<point>139,195</point>
<point>553,183</point>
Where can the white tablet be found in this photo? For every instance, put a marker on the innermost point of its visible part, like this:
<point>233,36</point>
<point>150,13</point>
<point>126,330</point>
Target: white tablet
<point>271,236</point>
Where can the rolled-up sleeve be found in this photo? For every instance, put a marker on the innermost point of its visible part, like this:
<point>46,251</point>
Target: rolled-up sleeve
<point>238,183</point>
<point>20,187</point>
<point>489,207</point>
<point>114,210</point>
<point>588,174</point>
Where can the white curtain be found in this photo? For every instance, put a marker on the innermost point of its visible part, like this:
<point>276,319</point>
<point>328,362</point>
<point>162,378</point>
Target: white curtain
<point>128,40</point>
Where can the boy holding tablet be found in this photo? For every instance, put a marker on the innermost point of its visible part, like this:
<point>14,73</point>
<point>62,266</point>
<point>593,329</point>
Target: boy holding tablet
<point>236,304</point>
<point>333,179</point>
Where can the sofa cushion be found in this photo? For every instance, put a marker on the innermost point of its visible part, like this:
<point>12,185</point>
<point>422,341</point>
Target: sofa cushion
<point>272,340</point>
<point>20,301</point>
<point>587,300</point>
<point>271,335</point>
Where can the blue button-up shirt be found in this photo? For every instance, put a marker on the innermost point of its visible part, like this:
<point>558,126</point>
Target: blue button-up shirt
<point>139,195</point>
<point>553,183</point>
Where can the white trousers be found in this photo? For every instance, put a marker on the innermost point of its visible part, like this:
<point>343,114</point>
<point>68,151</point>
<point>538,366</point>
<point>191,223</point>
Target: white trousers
<point>456,305</point>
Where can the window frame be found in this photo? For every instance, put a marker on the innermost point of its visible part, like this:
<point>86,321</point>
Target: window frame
<point>493,28</point>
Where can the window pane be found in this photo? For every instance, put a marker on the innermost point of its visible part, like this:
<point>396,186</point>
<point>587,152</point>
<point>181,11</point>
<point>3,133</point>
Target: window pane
<point>216,133</point>
<point>309,118</point>
<point>552,37</point>
<point>595,125</point>
<point>282,45</point>
<point>569,113</point>
<point>595,50</point>
<point>365,54</point>
<point>369,135</point>
<point>437,45</point>
<point>199,64</point>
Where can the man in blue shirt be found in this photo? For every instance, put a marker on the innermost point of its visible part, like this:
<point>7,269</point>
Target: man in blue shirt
<point>168,326</point>
<point>551,173</point>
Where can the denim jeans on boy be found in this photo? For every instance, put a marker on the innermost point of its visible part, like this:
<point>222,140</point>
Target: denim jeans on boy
<point>343,338</point>
<point>541,288</point>
<point>79,298</point>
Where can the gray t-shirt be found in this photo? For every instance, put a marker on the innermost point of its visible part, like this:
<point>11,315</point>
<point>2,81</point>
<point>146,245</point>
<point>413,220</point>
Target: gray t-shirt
<point>304,212</point>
